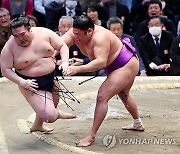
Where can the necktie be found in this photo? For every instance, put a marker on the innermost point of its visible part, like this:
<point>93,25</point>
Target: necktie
<point>157,46</point>
<point>70,13</point>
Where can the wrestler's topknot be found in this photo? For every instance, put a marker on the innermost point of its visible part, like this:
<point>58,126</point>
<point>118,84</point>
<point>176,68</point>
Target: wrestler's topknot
<point>83,22</point>
<point>19,21</point>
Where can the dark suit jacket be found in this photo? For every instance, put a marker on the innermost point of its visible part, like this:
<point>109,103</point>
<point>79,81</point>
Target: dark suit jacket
<point>147,51</point>
<point>143,28</point>
<point>121,11</point>
<point>175,57</point>
<point>54,12</point>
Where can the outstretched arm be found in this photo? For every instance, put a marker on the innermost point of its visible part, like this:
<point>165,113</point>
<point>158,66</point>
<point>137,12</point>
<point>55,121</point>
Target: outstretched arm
<point>60,47</point>
<point>100,49</point>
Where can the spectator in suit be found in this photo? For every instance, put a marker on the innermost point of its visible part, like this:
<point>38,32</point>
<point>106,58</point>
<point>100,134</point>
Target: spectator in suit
<point>40,12</point>
<point>18,7</point>
<point>55,12</point>
<point>154,48</point>
<point>5,31</point>
<point>154,9</point>
<point>175,57</point>
<point>114,8</point>
<point>115,25</point>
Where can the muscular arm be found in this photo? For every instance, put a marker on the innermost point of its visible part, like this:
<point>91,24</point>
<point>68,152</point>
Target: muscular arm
<point>101,49</point>
<point>68,37</point>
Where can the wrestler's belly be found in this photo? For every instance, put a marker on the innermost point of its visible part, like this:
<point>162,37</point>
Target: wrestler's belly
<point>41,67</point>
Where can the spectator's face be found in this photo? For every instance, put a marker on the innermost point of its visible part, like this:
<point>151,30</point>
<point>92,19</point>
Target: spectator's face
<point>4,19</point>
<point>154,10</point>
<point>155,23</point>
<point>117,29</point>
<point>22,36</point>
<point>32,23</point>
<point>155,27</point>
<point>92,14</point>
<point>65,25</point>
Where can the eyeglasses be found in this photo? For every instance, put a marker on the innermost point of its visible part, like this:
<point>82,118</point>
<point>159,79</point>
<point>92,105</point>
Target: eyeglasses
<point>3,16</point>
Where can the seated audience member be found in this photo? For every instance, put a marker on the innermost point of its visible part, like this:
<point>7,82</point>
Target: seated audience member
<point>75,55</point>
<point>175,57</point>
<point>40,9</point>
<point>55,11</point>
<point>5,31</point>
<point>18,7</point>
<point>154,9</point>
<point>114,8</point>
<point>154,48</point>
<point>115,25</point>
<point>33,21</point>
<point>93,11</point>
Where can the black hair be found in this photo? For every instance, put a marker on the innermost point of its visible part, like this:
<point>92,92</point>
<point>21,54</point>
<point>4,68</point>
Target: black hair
<point>94,7</point>
<point>155,2</point>
<point>20,21</point>
<point>83,22</point>
<point>154,17</point>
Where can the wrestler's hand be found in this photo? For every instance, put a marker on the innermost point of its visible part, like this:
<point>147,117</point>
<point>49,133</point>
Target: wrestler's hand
<point>28,84</point>
<point>65,68</point>
<point>73,70</point>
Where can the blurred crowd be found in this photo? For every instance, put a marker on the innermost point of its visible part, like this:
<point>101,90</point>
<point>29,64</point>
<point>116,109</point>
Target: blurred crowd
<point>153,27</point>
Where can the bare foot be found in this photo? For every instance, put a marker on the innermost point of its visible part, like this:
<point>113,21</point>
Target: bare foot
<point>87,141</point>
<point>65,115</point>
<point>44,129</point>
<point>132,127</point>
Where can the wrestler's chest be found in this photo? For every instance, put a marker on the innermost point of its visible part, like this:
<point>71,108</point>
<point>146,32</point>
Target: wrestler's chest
<point>87,50</point>
<point>29,55</point>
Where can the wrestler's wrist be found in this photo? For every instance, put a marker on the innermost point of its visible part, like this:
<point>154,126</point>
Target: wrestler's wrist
<point>65,63</point>
<point>22,82</point>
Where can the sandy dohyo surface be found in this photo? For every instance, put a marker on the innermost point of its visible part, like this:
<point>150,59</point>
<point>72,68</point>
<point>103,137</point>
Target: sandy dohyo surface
<point>159,106</point>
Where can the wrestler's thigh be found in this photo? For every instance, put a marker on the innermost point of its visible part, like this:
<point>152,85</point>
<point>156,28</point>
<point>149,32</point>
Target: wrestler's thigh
<point>119,80</point>
<point>39,101</point>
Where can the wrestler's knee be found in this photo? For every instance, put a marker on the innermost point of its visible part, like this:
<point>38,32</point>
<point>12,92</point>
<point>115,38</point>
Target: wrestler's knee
<point>101,98</point>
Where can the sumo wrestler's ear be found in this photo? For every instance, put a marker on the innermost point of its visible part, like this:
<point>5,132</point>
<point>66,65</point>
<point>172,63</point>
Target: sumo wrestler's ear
<point>89,31</point>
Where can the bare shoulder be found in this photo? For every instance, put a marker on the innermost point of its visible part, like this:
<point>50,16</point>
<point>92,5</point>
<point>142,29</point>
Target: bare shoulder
<point>9,46</point>
<point>101,34</point>
<point>41,30</point>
